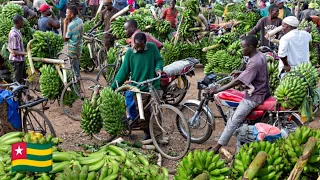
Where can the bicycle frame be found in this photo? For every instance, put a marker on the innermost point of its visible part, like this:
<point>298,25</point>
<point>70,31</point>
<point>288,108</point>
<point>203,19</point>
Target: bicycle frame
<point>93,43</point>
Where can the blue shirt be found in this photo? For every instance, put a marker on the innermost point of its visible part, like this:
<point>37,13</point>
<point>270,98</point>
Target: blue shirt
<point>75,36</point>
<point>61,4</point>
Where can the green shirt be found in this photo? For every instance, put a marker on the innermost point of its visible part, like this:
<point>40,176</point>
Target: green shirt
<point>142,66</point>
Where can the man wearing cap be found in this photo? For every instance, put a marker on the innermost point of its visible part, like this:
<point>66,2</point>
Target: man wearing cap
<point>309,12</point>
<point>160,8</point>
<point>283,10</point>
<point>170,14</point>
<point>28,13</point>
<point>293,46</point>
<point>38,3</point>
<point>46,23</point>
<point>106,15</point>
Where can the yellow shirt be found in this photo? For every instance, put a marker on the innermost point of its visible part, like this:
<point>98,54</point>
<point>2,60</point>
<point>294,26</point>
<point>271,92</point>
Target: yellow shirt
<point>281,12</point>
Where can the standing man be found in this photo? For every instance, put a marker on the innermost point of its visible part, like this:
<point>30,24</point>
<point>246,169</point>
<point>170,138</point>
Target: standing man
<point>170,14</point>
<point>267,24</point>
<point>283,10</point>
<point>27,12</point>
<point>62,6</point>
<point>142,62</point>
<point>160,9</point>
<point>46,23</point>
<point>293,46</point>
<point>256,73</point>
<point>94,5</point>
<point>38,3</point>
<point>73,28</point>
<point>106,15</point>
<point>131,29</point>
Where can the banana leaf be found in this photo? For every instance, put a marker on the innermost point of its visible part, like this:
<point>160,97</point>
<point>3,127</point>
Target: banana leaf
<point>305,109</point>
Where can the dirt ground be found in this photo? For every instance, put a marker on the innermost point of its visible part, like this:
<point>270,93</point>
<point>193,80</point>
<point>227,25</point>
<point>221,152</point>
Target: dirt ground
<point>70,130</point>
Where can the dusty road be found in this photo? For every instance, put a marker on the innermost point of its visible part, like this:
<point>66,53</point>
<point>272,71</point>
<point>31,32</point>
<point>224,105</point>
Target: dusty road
<point>70,130</point>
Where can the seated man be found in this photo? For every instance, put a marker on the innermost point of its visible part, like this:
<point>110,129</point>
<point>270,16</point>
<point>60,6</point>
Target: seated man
<point>255,73</point>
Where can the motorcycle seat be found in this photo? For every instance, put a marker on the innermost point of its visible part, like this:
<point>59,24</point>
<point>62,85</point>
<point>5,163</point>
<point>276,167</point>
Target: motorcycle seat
<point>178,67</point>
<point>268,105</point>
<point>264,131</point>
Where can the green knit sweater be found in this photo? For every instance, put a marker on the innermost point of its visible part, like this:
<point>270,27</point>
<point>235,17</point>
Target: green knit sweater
<point>141,66</point>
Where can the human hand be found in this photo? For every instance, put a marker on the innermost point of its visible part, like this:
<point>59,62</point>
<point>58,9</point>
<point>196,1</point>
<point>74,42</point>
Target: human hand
<point>235,73</point>
<point>158,72</point>
<point>212,90</point>
<point>242,36</point>
<point>287,68</point>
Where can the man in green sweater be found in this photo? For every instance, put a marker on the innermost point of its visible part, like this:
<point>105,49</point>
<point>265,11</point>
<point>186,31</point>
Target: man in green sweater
<point>142,62</point>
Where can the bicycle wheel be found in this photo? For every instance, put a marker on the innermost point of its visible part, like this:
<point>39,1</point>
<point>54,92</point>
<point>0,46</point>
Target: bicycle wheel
<point>175,94</point>
<point>202,128</point>
<point>106,75</point>
<point>164,128</point>
<point>36,120</point>
<point>71,102</point>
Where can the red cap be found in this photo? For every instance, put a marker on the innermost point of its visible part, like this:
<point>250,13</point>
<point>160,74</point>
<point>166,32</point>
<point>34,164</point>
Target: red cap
<point>44,7</point>
<point>160,1</point>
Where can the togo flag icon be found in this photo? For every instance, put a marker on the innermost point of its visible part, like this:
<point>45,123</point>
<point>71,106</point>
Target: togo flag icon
<point>31,157</point>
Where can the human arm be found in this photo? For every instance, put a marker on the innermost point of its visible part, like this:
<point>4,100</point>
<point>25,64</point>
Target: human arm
<point>13,47</point>
<point>32,14</point>
<point>99,23</point>
<point>283,53</point>
<point>256,28</point>
<point>60,5</point>
<point>164,14</point>
<point>66,31</point>
<point>123,72</point>
<point>54,24</point>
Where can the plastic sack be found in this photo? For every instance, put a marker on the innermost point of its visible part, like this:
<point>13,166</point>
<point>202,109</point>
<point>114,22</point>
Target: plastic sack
<point>175,68</point>
<point>262,131</point>
<point>13,114</point>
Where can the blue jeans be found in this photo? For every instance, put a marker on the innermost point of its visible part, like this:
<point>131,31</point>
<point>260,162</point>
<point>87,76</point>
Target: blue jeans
<point>131,106</point>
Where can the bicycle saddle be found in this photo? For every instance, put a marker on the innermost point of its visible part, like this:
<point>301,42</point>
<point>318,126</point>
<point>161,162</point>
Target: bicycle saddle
<point>17,88</point>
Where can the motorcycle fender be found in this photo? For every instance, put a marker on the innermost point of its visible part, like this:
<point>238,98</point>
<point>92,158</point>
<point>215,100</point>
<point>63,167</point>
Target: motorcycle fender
<point>205,108</point>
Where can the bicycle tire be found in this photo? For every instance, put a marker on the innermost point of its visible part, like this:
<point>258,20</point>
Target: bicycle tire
<point>207,133</point>
<point>66,90</point>
<point>177,100</point>
<point>45,119</point>
<point>102,74</point>
<point>156,144</point>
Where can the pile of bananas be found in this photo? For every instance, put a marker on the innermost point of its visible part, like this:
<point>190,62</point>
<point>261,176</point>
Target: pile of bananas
<point>46,44</point>
<point>293,147</point>
<point>198,162</point>
<point>162,27</point>
<point>85,60</point>
<point>11,9</point>
<point>110,162</point>
<point>50,82</point>
<point>91,121</point>
<point>314,56</point>
<point>273,167</point>
<point>117,28</point>
<point>188,22</point>
<point>221,62</point>
<point>273,75</point>
<point>235,48</point>
<point>37,138</point>
<point>112,109</point>
<point>314,32</point>
<point>293,88</point>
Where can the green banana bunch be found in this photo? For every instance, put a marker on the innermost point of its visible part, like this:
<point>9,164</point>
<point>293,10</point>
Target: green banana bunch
<point>11,138</point>
<point>309,72</point>
<point>85,59</point>
<point>235,48</point>
<point>314,56</point>
<point>221,62</point>
<point>293,147</point>
<point>314,32</point>
<point>50,82</point>
<point>273,75</point>
<point>112,109</point>
<point>162,27</point>
<point>11,9</point>
<point>46,44</point>
<point>117,28</point>
<point>91,121</point>
<point>188,22</point>
<point>198,162</point>
<point>273,167</point>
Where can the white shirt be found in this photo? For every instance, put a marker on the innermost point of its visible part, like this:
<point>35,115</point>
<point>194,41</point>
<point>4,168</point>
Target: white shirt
<point>38,3</point>
<point>294,45</point>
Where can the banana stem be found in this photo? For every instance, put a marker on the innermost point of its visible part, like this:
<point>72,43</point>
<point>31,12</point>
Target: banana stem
<point>206,49</point>
<point>94,96</point>
<point>302,161</point>
<point>255,166</point>
<point>202,176</point>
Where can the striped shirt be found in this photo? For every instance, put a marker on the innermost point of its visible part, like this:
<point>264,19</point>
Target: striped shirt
<point>75,36</point>
<point>15,42</point>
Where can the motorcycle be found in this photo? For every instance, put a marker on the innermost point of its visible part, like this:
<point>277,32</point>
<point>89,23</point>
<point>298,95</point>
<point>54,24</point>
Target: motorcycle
<point>202,119</point>
<point>174,81</point>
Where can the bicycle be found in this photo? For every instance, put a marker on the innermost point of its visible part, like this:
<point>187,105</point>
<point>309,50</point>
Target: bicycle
<point>157,120</point>
<point>73,86</point>
<point>109,71</point>
<point>27,112</point>
<point>95,46</point>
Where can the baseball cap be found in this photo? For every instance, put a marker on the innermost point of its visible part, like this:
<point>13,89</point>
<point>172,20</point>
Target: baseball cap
<point>44,7</point>
<point>159,1</point>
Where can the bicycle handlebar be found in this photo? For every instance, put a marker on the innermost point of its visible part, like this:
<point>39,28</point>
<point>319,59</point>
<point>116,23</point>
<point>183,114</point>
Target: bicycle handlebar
<point>60,53</point>
<point>10,84</point>
<point>146,81</point>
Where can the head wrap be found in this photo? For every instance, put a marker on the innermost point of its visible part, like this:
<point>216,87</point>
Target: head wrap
<point>291,21</point>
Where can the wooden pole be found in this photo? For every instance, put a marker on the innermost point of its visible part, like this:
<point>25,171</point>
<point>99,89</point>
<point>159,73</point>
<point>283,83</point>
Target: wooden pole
<point>176,39</point>
<point>255,166</point>
<point>303,160</point>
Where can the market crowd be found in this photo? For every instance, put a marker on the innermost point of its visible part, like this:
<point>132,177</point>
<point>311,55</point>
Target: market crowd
<point>143,61</point>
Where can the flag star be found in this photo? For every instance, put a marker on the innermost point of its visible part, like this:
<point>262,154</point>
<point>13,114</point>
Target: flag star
<point>19,150</point>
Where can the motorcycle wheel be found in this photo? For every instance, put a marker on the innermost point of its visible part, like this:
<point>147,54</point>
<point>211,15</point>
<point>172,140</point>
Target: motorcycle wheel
<point>171,91</point>
<point>200,133</point>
